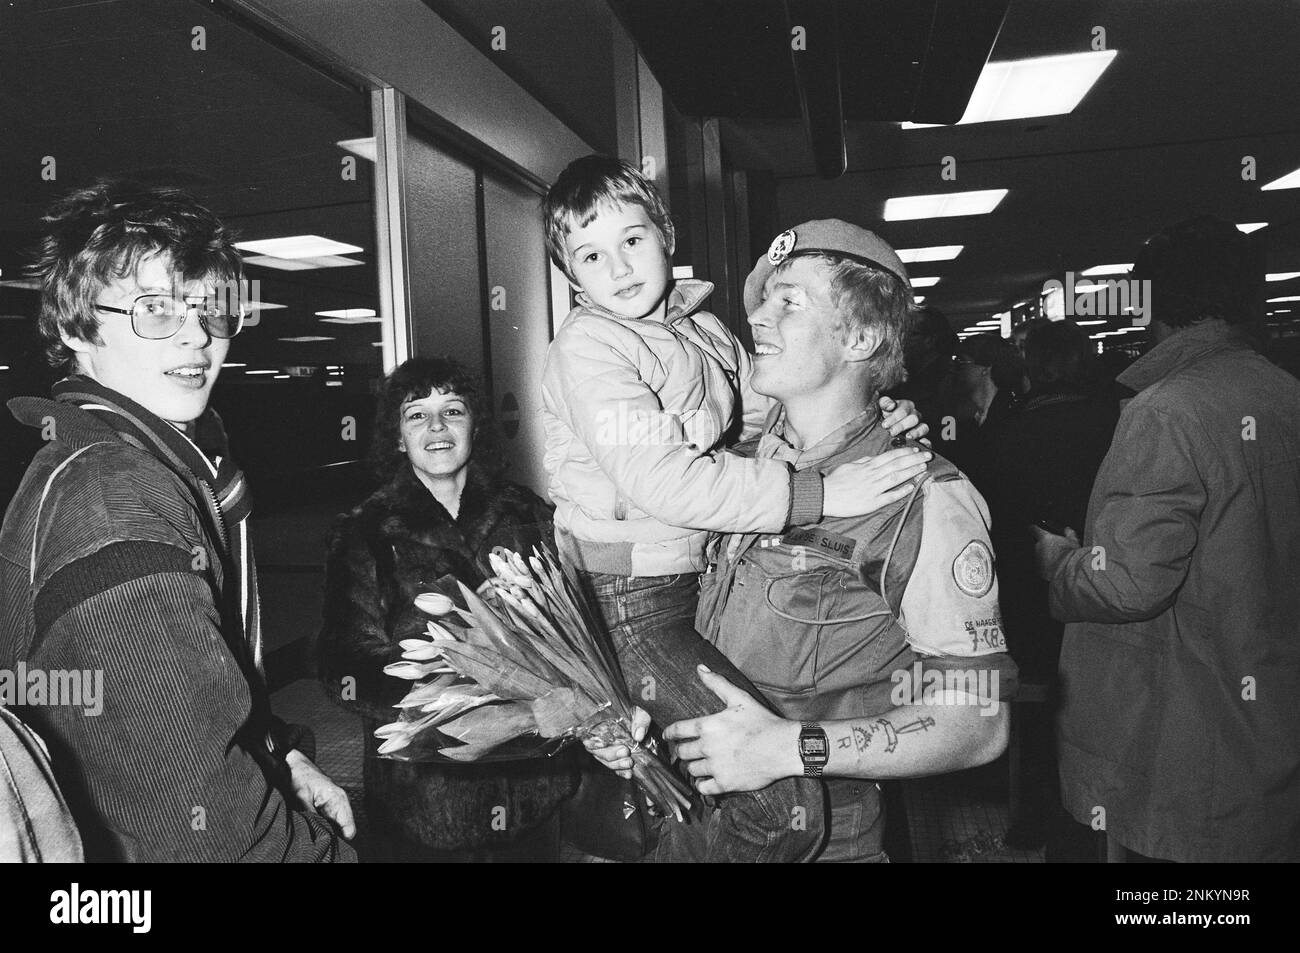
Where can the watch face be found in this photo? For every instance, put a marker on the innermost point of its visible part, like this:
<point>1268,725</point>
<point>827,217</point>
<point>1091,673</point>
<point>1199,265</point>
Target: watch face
<point>813,746</point>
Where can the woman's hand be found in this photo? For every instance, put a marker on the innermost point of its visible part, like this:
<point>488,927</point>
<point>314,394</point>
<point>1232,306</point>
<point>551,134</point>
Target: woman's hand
<point>319,794</point>
<point>900,417</point>
<point>618,758</point>
<point>864,486</point>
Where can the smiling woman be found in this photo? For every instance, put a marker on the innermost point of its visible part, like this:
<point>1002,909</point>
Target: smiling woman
<point>443,507</point>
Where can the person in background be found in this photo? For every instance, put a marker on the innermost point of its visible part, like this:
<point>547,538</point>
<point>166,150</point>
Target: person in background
<point>1041,466</point>
<point>125,552</point>
<point>928,347</point>
<point>641,388</point>
<point>443,506</point>
<point>1019,335</point>
<point>1179,730</point>
<point>987,376</point>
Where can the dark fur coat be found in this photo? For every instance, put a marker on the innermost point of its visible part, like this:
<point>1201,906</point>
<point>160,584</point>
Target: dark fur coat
<point>389,549</point>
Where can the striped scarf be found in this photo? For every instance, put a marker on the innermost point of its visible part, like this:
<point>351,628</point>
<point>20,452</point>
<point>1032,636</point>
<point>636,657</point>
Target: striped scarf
<point>221,490</point>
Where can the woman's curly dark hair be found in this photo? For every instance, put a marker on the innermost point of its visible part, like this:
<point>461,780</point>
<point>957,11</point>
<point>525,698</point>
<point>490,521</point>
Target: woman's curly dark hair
<point>414,380</point>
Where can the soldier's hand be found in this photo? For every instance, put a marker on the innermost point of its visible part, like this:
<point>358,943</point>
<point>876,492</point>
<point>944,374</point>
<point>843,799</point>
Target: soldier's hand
<point>744,747</point>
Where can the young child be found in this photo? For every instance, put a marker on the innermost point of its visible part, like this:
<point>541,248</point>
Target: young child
<point>641,388</point>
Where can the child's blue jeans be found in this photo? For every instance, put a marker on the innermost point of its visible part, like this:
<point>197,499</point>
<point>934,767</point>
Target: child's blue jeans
<point>652,622</point>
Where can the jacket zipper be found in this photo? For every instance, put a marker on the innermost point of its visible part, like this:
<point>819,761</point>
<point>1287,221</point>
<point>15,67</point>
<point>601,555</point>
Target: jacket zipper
<point>222,532</point>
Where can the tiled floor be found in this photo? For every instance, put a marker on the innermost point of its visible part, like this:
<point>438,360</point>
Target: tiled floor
<point>963,818</point>
<point>954,818</point>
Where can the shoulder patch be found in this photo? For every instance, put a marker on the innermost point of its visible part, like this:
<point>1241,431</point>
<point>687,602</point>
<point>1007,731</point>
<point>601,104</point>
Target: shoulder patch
<point>972,570</point>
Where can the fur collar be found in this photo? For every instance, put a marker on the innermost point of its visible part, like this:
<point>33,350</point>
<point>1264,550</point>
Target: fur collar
<point>405,509</point>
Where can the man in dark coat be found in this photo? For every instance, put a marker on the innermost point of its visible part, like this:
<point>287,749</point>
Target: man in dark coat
<point>1179,732</point>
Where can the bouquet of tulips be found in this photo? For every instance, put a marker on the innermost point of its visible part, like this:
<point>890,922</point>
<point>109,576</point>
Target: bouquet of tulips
<point>529,658</point>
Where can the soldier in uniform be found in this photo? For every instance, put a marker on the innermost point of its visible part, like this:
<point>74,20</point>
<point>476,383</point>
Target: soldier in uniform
<point>878,638</point>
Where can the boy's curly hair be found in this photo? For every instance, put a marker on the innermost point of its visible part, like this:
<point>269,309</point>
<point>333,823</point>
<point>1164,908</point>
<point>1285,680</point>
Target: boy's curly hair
<point>102,233</point>
<point>584,187</point>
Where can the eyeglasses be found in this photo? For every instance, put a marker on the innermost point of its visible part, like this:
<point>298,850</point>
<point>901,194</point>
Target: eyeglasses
<point>157,317</point>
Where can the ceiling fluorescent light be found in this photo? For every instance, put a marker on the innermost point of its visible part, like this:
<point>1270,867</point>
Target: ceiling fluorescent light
<point>930,253</point>
<point>302,264</point>
<point>1039,86</point>
<point>1284,298</point>
<point>261,372</point>
<point>1271,276</point>
<point>1289,181</point>
<point>1107,270</point>
<point>1248,227</point>
<point>306,339</point>
<point>27,284</point>
<point>297,246</point>
<point>919,299</point>
<point>924,282</point>
<point>907,207</point>
<point>1084,324</point>
<point>348,313</point>
<point>359,147</point>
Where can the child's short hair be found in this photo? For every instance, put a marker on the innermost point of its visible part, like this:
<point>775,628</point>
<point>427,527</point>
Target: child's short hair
<point>870,297</point>
<point>585,186</point>
<point>102,233</point>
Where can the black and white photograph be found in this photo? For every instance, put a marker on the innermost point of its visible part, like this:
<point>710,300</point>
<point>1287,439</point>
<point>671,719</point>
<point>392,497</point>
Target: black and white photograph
<point>651,432</point>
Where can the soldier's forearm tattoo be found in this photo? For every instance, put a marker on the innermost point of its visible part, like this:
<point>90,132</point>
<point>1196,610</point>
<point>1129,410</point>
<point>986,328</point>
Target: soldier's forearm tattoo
<point>862,736</point>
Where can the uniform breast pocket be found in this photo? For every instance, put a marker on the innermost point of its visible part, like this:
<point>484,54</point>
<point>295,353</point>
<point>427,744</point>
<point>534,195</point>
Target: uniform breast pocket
<point>772,626</point>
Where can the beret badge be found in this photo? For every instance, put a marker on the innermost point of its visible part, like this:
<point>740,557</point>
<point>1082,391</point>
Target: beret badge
<point>781,247</point>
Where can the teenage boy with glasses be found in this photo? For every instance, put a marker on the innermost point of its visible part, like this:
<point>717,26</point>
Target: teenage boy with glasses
<point>125,551</point>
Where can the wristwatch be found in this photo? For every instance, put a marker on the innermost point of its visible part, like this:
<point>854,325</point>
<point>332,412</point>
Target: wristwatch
<point>814,749</point>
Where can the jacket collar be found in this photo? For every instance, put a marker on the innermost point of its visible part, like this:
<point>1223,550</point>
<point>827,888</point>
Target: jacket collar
<point>75,427</point>
<point>1184,347</point>
<point>849,434</point>
<point>685,297</point>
